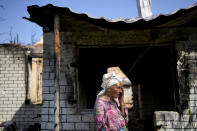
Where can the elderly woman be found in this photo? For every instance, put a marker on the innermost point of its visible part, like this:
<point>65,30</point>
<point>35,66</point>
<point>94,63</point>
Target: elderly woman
<point>108,116</point>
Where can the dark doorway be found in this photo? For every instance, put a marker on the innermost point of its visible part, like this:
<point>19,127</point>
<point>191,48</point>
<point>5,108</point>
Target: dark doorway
<point>153,71</point>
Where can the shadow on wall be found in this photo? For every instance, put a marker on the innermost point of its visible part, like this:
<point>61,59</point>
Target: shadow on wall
<point>27,118</point>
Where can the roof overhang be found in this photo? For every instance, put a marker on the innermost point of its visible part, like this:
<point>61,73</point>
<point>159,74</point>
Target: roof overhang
<point>73,22</point>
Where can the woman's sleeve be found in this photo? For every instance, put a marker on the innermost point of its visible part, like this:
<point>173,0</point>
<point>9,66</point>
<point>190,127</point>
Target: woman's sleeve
<point>101,124</point>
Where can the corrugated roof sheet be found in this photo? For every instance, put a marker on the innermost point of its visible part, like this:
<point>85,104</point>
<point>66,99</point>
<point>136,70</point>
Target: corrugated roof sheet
<point>44,17</point>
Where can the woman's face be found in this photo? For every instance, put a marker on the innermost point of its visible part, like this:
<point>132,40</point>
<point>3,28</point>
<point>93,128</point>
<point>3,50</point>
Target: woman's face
<point>115,90</point>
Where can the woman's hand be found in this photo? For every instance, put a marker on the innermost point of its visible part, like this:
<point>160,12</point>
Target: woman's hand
<point>121,97</point>
<point>121,101</point>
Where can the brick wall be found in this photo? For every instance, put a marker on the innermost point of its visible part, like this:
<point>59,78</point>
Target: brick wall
<point>71,117</point>
<point>48,90</point>
<point>186,118</point>
<point>13,88</point>
<point>74,119</point>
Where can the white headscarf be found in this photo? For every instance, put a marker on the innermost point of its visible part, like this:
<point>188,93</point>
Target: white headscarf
<point>109,80</point>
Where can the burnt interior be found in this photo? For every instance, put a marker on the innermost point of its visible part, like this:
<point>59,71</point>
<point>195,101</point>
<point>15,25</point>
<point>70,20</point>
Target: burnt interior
<point>154,71</point>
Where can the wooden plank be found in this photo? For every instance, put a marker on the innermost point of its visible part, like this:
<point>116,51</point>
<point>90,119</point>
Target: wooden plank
<point>57,73</point>
<point>140,102</point>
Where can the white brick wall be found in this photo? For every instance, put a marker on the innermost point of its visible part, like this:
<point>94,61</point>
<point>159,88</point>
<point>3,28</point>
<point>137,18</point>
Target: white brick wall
<point>13,88</point>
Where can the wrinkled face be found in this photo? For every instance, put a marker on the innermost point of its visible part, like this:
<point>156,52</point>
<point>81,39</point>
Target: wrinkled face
<point>115,90</point>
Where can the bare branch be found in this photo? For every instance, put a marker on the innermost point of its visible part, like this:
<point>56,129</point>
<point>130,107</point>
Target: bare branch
<point>33,34</point>
<point>11,36</point>
<point>16,39</point>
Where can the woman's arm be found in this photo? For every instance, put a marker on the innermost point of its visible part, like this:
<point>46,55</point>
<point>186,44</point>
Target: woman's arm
<point>101,124</point>
<point>122,105</point>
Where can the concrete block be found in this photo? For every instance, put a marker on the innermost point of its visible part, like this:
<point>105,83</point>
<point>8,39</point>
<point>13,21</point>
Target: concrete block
<point>82,126</point>
<point>46,62</point>
<point>191,103</point>
<point>21,72</point>
<point>46,75</point>
<point>4,79</point>
<point>48,83</point>
<point>48,69</point>
<point>192,97</point>
<point>17,75</point>
<point>51,111</point>
<point>52,62</point>
<point>74,118</point>
<point>4,75</point>
<point>69,88</point>
<point>63,118</point>
<point>43,125</point>
<point>45,90</point>
<point>11,69</point>
<point>185,117</point>
<point>52,90</point>
<point>16,65</point>
<point>171,115</point>
<point>45,111</point>
<point>19,69</point>
<point>68,111</point>
<point>68,126</point>
<point>21,99</point>
<point>168,124</point>
<point>63,96</point>
<point>194,125</point>
<point>92,126</point>
<point>7,102</point>
<point>22,91</point>
<point>13,85</point>
<point>88,118</point>
<point>4,59</point>
<point>29,112</point>
<point>48,96</point>
<point>186,124</point>
<point>52,76</point>
<point>45,104</point>
<point>63,82</point>
<point>44,118</point>
<point>194,117</point>
<point>50,125</point>
<point>51,103</point>
<point>62,103</point>
<point>13,78</point>
<point>4,72</point>
<point>63,89</point>
<point>51,118</point>
<point>17,62</point>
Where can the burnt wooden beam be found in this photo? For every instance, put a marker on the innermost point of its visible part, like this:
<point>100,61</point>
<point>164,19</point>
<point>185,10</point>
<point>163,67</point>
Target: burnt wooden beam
<point>57,71</point>
<point>140,102</point>
<point>149,37</point>
<point>36,55</point>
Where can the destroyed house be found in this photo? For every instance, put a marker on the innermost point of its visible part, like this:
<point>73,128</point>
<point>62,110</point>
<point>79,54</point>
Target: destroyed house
<point>158,54</point>
<point>20,86</point>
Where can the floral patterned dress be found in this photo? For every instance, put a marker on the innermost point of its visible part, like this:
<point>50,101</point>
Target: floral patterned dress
<point>108,116</point>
